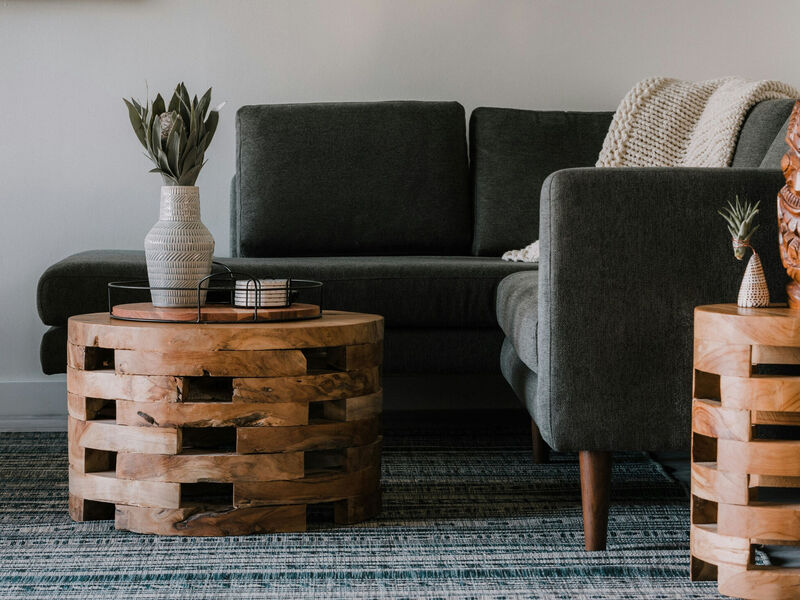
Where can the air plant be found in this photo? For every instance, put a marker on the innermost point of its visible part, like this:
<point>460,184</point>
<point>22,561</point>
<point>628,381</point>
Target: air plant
<point>175,136</point>
<point>740,217</point>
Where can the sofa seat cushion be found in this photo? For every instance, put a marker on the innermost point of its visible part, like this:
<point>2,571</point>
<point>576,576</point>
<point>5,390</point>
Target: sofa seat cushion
<point>409,291</point>
<point>518,314</point>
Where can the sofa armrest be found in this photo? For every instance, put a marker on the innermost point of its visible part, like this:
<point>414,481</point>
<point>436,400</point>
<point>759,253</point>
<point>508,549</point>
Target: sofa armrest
<point>626,254</point>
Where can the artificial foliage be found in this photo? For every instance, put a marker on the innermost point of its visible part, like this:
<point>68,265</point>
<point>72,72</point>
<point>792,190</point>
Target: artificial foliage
<point>175,135</point>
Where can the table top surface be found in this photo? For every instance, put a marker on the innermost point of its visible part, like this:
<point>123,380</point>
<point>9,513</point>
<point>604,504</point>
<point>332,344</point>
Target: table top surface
<point>775,325</point>
<point>334,328</point>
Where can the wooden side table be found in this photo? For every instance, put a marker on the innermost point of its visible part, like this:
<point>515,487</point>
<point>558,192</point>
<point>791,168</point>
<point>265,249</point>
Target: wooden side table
<point>745,418</point>
<point>224,429</point>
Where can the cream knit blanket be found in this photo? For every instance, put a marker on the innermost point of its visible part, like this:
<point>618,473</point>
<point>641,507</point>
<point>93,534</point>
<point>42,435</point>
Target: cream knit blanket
<point>663,122</point>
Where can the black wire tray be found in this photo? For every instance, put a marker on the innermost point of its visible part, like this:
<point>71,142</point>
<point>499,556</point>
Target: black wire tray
<point>219,285</point>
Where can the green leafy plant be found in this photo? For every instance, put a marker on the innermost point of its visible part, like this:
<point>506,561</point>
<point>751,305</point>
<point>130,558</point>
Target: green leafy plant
<point>740,217</point>
<point>175,136</point>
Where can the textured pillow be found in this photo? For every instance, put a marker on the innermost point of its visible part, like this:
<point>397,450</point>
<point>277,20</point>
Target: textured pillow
<point>512,152</point>
<point>382,178</point>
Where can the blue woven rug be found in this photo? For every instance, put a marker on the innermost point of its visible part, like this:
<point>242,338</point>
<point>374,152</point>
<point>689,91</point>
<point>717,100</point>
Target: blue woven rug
<point>466,515</point>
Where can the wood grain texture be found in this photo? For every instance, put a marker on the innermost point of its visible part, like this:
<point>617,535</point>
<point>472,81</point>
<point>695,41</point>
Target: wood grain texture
<point>722,358</point>
<point>759,582</point>
<point>710,483</point>
<point>211,414</point>
<point>244,363</point>
<point>211,520</point>
<point>324,487</point>
<point>111,385</point>
<point>761,392</point>
<point>731,463</point>
<point>335,328</point>
<point>107,435</point>
<point>310,388</point>
<point>763,457</point>
<point>709,418</point>
<point>761,523</point>
<point>319,436</point>
<point>708,545</point>
<point>226,467</point>
<point>727,323</point>
<point>172,423</point>
<point>105,487</point>
<point>353,409</point>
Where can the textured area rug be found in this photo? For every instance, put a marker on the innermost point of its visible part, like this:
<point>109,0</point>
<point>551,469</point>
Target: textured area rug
<point>465,515</point>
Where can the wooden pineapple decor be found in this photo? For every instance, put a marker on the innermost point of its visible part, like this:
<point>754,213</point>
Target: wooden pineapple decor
<point>789,210</point>
<point>753,293</point>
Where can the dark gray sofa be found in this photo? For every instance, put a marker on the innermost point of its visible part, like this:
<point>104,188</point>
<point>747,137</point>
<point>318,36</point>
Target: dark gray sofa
<point>599,341</point>
<point>381,202</point>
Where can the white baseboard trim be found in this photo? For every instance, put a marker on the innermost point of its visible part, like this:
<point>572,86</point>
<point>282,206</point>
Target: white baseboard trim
<point>33,405</point>
<point>44,423</point>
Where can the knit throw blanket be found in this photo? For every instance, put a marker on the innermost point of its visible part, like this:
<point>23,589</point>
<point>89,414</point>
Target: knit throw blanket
<point>666,122</point>
<point>663,122</point>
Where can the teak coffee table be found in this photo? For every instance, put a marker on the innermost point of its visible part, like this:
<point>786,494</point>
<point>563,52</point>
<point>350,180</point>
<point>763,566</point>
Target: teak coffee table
<point>224,429</point>
<point>745,418</point>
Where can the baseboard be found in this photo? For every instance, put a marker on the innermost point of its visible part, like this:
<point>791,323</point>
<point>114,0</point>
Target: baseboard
<point>51,423</point>
<point>33,405</point>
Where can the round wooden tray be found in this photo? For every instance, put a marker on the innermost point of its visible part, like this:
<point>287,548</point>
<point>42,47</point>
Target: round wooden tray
<point>214,313</point>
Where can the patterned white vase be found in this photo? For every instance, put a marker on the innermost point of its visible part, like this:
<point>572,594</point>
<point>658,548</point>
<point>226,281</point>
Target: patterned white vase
<point>753,293</point>
<point>178,248</point>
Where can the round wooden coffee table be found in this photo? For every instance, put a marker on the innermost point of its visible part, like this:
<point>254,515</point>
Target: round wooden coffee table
<point>745,418</point>
<point>224,429</point>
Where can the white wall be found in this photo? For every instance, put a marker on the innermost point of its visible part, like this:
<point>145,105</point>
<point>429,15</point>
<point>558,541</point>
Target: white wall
<point>72,176</point>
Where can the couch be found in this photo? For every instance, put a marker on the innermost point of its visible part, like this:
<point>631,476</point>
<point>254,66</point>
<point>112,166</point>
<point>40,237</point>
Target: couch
<point>391,208</point>
<point>599,341</point>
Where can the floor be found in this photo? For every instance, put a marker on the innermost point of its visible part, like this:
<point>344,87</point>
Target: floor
<point>466,514</point>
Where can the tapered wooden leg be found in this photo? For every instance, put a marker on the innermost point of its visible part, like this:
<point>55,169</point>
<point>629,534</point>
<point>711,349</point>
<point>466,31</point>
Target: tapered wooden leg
<point>595,485</point>
<point>541,451</point>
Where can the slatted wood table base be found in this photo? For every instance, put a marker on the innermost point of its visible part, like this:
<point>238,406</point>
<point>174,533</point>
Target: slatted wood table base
<point>224,429</point>
<point>745,418</point>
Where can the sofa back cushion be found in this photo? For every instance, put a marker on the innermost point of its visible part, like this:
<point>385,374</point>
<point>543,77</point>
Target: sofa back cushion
<point>760,140</point>
<point>512,152</point>
<point>379,178</point>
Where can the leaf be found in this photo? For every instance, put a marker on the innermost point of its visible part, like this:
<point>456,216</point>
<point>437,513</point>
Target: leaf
<point>174,102</point>
<point>173,150</point>
<point>164,163</point>
<point>158,105</point>
<point>155,138</point>
<point>189,159</point>
<point>202,106</point>
<point>190,176</point>
<point>136,122</point>
<point>211,127</point>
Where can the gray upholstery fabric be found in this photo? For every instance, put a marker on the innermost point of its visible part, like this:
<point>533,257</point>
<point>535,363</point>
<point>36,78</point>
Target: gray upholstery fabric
<point>776,150</point>
<point>763,124</point>
<point>382,178</point>
<point>234,220</point>
<point>512,152</point>
<point>409,291</point>
<point>53,351</point>
<point>517,314</point>
<point>523,381</point>
<point>626,256</point>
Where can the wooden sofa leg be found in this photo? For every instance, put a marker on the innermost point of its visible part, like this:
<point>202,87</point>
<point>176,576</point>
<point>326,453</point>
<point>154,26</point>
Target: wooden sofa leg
<point>595,485</point>
<point>541,451</point>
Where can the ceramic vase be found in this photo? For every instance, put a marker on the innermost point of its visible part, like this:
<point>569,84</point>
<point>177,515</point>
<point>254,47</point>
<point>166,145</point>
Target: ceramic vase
<point>753,292</point>
<point>178,249</point>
